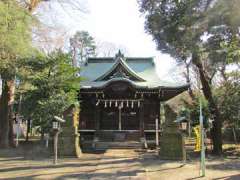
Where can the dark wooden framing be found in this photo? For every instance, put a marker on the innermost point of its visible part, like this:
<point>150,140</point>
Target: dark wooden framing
<point>98,115</point>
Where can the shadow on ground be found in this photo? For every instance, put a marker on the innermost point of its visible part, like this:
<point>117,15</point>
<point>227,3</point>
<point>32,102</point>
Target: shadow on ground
<point>34,162</point>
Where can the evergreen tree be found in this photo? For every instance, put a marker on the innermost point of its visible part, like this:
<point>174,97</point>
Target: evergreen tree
<point>15,45</point>
<point>179,28</point>
<point>52,86</point>
<point>82,46</point>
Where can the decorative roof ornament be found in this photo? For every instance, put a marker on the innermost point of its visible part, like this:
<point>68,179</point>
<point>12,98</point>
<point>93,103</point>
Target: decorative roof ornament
<point>119,54</point>
<point>119,74</point>
<point>120,69</point>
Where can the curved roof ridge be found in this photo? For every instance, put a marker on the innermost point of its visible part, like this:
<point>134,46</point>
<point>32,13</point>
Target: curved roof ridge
<point>126,67</point>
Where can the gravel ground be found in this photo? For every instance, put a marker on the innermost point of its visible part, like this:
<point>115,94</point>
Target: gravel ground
<point>112,164</point>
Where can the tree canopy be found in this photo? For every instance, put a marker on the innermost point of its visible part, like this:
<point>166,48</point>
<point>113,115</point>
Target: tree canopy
<point>15,45</point>
<point>82,46</point>
<point>199,31</point>
<point>53,87</point>
<point>15,36</point>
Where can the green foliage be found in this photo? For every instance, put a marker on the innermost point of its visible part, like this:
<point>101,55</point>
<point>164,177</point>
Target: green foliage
<point>191,110</point>
<point>54,87</point>
<point>225,13</point>
<point>15,36</point>
<point>82,46</point>
<point>232,49</point>
<point>178,27</point>
<point>173,25</point>
<point>228,95</point>
<point>222,47</point>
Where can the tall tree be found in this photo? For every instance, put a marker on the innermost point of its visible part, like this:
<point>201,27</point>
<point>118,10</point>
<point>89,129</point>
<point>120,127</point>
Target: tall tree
<point>52,88</point>
<point>15,44</point>
<point>82,46</point>
<point>179,27</point>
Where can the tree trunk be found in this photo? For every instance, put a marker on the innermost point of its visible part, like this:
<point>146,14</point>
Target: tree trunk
<point>32,5</point>
<point>28,130</point>
<point>5,111</point>
<point>11,132</point>
<point>213,108</point>
<point>11,84</point>
<point>74,57</point>
<point>234,135</point>
<point>4,121</point>
<point>42,135</point>
<point>187,76</point>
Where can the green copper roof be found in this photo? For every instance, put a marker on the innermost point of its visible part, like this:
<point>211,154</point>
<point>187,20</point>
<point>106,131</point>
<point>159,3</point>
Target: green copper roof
<point>120,66</point>
<point>94,71</point>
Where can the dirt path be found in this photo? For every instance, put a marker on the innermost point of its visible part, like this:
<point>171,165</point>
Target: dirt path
<point>114,164</point>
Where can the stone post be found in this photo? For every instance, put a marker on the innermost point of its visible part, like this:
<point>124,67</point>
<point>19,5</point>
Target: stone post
<point>69,137</point>
<point>172,140</point>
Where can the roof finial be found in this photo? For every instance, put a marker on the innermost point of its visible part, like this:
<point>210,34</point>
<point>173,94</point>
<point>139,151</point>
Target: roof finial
<point>119,54</point>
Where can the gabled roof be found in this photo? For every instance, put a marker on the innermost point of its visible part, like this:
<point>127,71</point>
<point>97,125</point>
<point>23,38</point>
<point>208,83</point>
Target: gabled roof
<point>120,69</point>
<point>140,72</point>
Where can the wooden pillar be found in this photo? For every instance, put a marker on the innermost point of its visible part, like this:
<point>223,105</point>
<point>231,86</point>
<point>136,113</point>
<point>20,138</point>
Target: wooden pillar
<point>119,118</point>
<point>97,118</point>
<point>159,112</point>
<point>141,128</point>
<point>157,134</point>
<point>97,125</point>
<point>141,120</point>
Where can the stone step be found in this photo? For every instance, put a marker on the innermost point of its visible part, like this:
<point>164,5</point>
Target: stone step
<point>109,136</point>
<point>118,145</point>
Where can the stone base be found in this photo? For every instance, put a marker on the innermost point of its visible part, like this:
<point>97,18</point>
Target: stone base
<point>69,142</point>
<point>172,146</point>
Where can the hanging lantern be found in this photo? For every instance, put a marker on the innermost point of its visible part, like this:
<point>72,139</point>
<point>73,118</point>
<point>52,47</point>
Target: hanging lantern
<point>132,104</point>
<point>105,104</point>
<point>127,104</point>
<point>116,104</point>
<point>110,103</point>
<point>122,104</point>
<point>138,103</point>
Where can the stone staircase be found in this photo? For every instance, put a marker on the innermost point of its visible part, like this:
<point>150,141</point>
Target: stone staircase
<point>101,145</point>
<point>117,140</point>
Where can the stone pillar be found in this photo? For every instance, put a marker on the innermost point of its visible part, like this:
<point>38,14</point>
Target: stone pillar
<point>69,136</point>
<point>172,140</point>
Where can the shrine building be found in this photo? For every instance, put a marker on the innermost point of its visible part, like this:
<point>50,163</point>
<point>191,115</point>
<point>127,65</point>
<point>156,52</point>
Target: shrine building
<point>120,99</point>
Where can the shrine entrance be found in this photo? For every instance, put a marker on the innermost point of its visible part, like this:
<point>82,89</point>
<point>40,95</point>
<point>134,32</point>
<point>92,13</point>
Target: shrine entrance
<point>109,119</point>
<point>130,119</point>
<point>119,119</point>
<point>121,99</point>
